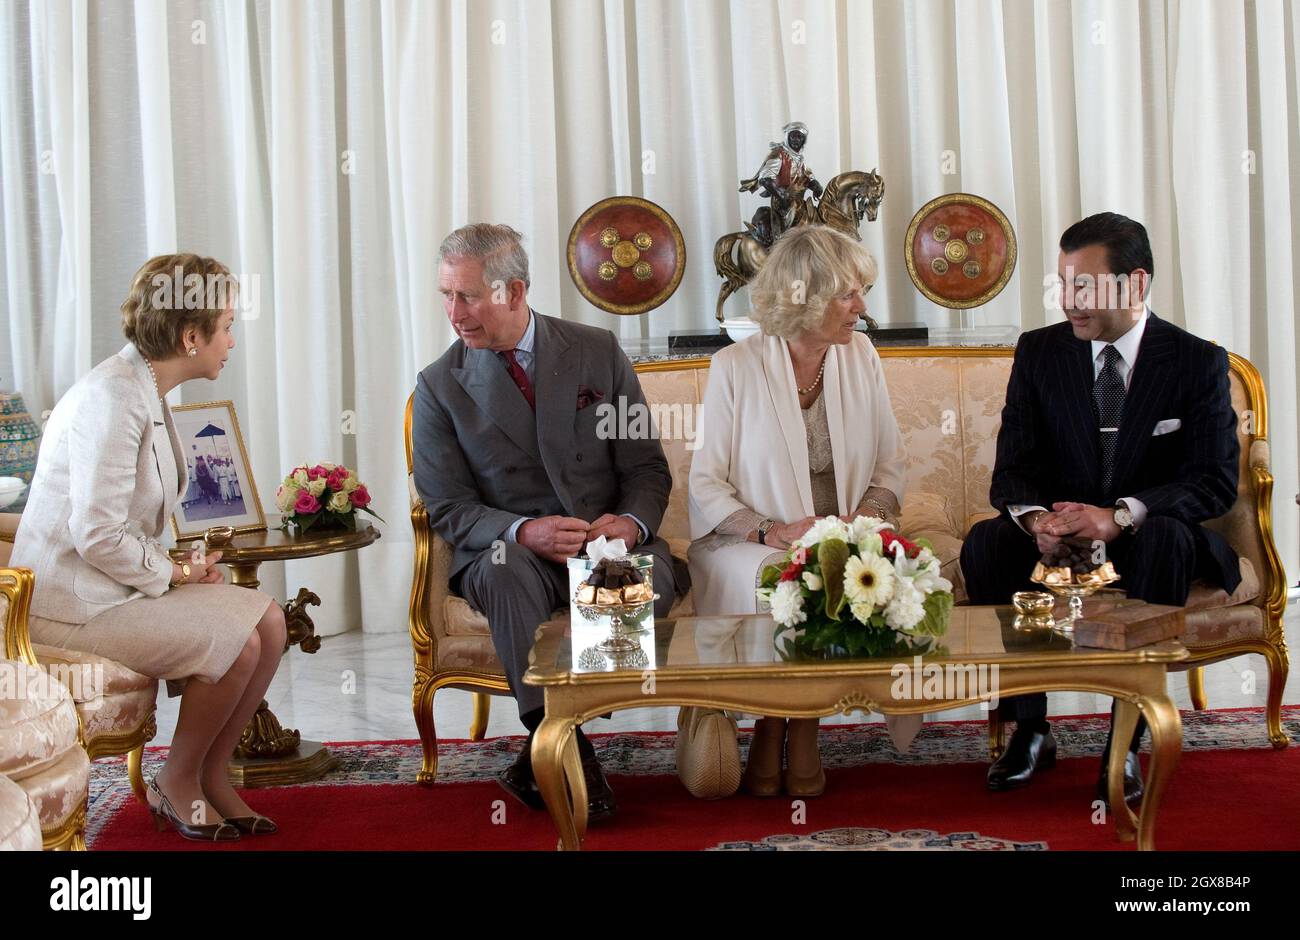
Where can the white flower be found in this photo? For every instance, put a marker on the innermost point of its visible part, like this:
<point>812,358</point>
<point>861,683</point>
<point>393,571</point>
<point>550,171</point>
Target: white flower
<point>813,580</point>
<point>351,483</point>
<point>285,497</point>
<point>862,526</point>
<point>869,580</point>
<point>905,610</point>
<point>316,487</point>
<point>831,527</point>
<point>339,502</point>
<point>787,604</point>
<point>862,611</point>
<point>299,477</point>
<point>870,544</point>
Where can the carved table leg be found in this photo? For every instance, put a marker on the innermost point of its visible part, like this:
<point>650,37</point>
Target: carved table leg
<point>554,736</point>
<point>1166,749</point>
<point>269,754</point>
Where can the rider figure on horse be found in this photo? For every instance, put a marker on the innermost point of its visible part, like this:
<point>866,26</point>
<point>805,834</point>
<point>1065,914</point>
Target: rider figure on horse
<point>783,178</point>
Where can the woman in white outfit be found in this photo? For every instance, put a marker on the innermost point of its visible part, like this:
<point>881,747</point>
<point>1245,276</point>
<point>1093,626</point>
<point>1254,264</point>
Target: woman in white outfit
<point>795,425</point>
<point>110,471</point>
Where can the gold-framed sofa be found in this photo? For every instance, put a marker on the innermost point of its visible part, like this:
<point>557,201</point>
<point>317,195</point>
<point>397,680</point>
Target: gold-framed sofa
<point>40,746</point>
<point>120,717</point>
<point>948,402</point>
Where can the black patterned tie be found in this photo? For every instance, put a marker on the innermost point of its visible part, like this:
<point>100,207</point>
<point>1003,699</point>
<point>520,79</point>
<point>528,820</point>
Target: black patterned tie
<point>1108,403</point>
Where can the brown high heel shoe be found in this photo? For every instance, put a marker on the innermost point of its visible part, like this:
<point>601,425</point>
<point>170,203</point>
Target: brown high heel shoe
<point>253,825</point>
<point>804,775</point>
<point>763,769</point>
<point>165,817</point>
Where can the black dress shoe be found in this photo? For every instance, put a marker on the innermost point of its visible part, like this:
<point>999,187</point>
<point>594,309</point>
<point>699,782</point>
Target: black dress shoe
<point>1027,752</point>
<point>518,780</point>
<point>600,796</point>
<point>1133,788</point>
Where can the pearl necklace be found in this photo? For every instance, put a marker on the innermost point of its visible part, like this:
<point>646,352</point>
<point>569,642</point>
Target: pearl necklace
<point>153,375</point>
<point>817,381</point>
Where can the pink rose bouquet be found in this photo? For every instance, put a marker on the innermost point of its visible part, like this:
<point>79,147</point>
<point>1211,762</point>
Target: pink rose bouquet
<point>323,495</point>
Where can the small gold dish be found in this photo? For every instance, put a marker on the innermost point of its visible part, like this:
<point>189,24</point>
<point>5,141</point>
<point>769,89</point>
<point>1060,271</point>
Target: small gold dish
<point>1033,603</point>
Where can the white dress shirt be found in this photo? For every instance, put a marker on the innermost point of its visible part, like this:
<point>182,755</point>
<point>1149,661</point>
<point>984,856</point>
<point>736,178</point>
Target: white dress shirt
<point>1127,346</point>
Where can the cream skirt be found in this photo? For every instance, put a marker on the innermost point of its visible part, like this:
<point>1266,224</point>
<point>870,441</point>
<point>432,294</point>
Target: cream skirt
<point>192,631</point>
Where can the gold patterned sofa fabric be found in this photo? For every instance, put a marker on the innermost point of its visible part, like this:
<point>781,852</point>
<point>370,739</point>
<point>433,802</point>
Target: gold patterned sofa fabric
<point>40,744</point>
<point>20,824</point>
<point>948,402</point>
<point>121,720</point>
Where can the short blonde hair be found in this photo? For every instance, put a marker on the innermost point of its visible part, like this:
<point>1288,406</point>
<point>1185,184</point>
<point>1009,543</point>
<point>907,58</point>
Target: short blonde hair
<point>809,266</point>
<point>169,295</point>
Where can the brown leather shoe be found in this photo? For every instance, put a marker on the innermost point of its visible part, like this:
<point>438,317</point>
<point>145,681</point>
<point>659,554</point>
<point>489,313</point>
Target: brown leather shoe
<point>804,775</point>
<point>763,769</point>
<point>253,825</point>
<point>165,817</point>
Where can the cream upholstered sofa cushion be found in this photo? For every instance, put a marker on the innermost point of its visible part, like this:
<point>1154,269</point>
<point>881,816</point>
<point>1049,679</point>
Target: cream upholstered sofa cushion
<point>127,698</point>
<point>20,825</point>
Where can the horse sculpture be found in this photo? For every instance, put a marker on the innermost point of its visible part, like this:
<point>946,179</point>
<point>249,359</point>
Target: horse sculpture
<point>848,197</point>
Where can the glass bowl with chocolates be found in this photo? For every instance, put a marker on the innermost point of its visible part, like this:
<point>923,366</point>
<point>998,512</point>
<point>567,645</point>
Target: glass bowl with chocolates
<point>621,589</point>
<point>1071,569</point>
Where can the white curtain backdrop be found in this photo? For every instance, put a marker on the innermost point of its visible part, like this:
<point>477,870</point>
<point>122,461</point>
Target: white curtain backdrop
<point>323,149</point>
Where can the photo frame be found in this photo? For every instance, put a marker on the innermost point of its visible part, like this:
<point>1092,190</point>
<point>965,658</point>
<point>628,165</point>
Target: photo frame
<point>221,489</point>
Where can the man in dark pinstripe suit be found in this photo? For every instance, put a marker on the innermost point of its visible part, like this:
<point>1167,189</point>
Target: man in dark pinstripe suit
<point>1118,428</point>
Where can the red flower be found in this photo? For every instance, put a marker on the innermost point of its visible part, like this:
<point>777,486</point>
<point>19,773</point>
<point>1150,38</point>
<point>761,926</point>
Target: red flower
<point>306,503</point>
<point>887,540</point>
<point>361,497</point>
<point>792,572</point>
<point>317,473</point>
<point>335,480</point>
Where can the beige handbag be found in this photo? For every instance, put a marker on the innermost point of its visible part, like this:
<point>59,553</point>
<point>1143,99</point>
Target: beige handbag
<point>708,757</point>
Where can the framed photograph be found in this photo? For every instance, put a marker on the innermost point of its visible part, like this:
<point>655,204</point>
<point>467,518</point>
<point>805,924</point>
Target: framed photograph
<point>221,490</point>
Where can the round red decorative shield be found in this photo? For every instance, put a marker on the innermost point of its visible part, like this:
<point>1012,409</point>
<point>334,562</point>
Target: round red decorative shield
<point>960,250</point>
<point>626,255</point>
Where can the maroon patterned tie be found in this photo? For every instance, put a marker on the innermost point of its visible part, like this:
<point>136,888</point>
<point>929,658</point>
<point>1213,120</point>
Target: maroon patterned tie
<point>520,377</point>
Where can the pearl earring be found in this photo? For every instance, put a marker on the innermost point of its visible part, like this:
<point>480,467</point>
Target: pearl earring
<point>192,352</point>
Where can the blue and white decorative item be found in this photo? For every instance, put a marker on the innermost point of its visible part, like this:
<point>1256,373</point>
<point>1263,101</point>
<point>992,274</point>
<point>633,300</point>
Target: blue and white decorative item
<point>19,439</point>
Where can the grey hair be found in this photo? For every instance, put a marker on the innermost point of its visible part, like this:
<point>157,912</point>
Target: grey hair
<point>499,247</point>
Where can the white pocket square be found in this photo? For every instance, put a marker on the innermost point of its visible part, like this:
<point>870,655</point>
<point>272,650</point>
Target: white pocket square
<point>1167,426</point>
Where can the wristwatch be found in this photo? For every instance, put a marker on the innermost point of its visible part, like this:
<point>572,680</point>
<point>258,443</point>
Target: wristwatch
<point>1124,518</point>
<point>185,574</point>
<point>762,530</point>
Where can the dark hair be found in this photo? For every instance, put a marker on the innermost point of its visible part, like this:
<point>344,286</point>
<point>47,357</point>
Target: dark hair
<point>1127,245</point>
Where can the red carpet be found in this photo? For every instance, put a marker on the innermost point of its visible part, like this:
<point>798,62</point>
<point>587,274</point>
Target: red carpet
<point>1221,797</point>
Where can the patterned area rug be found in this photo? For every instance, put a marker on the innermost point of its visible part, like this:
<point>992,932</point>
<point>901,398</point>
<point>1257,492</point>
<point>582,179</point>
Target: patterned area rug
<point>642,767</point>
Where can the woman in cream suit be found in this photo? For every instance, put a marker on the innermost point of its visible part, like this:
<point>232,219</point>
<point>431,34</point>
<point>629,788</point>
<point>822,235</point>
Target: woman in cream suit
<point>795,425</point>
<point>110,470</point>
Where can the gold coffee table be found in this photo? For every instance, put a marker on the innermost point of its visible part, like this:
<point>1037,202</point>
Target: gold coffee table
<point>731,663</point>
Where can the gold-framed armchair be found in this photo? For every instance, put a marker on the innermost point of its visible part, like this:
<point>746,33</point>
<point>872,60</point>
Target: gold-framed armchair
<point>40,741</point>
<point>116,717</point>
<point>449,640</point>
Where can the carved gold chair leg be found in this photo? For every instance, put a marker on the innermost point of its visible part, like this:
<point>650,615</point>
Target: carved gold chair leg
<point>422,705</point>
<point>1196,687</point>
<point>1278,667</point>
<point>135,772</point>
<point>69,837</point>
<point>482,709</point>
<point>997,734</point>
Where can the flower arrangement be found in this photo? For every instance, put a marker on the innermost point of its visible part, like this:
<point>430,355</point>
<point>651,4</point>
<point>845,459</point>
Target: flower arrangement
<point>326,495</point>
<point>856,588</point>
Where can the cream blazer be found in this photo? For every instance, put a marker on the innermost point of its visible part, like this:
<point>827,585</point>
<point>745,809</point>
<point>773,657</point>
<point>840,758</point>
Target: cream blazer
<point>753,453</point>
<point>100,499</point>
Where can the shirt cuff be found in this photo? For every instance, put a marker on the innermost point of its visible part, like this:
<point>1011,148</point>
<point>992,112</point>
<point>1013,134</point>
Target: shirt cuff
<point>514,528</point>
<point>1017,511</point>
<point>1135,506</point>
<point>645,533</point>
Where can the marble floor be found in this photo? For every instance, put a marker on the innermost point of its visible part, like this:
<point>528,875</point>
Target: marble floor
<point>357,687</point>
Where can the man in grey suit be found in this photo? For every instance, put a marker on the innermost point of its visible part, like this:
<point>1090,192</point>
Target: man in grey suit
<point>514,468</point>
